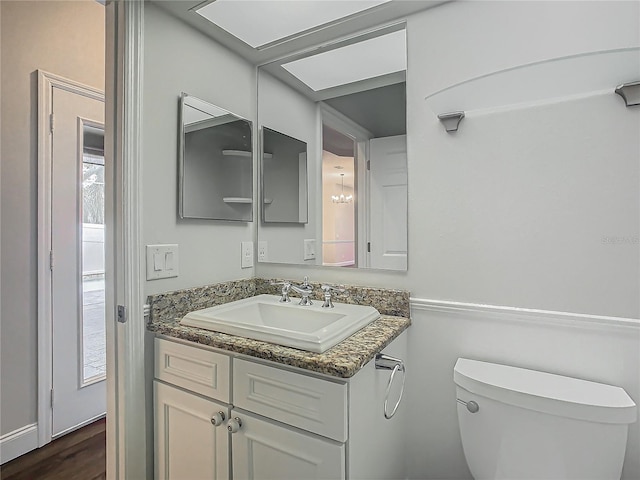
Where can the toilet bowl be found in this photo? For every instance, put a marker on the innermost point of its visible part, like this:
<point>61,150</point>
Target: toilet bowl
<point>523,424</point>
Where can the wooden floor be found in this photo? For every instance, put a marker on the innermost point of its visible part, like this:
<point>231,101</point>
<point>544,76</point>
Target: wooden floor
<point>79,455</point>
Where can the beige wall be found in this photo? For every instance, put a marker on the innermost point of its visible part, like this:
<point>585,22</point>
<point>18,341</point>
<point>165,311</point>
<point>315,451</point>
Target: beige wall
<point>65,38</point>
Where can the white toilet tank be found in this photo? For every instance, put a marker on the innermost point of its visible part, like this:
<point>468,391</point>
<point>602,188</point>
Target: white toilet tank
<point>534,425</point>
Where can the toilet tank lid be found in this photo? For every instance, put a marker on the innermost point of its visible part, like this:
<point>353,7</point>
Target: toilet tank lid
<point>546,392</point>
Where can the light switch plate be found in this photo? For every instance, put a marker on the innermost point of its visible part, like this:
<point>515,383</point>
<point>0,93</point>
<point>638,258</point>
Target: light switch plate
<point>246,254</point>
<point>162,261</point>
<point>309,249</point>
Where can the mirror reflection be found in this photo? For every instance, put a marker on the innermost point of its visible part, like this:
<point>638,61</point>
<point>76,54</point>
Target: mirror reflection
<point>215,163</point>
<point>347,101</point>
<point>284,178</point>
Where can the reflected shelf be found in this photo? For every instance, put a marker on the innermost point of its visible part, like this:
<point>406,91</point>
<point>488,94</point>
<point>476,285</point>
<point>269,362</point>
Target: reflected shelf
<point>236,153</point>
<point>236,200</point>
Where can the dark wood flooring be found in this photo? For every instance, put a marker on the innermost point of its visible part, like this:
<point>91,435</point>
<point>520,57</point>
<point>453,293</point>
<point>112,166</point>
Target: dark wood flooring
<point>80,455</point>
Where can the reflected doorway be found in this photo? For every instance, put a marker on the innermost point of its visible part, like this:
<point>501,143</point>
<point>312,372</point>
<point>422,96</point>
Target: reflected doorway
<point>338,199</point>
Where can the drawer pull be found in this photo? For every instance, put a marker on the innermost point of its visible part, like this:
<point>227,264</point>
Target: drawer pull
<point>234,424</point>
<point>217,419</point>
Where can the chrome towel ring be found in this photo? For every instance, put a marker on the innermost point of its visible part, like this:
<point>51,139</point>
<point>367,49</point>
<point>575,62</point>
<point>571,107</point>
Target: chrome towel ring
<point>387,362</point>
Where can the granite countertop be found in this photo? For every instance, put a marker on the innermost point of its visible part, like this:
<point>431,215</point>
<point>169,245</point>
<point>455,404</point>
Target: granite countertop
<point>343,360</point>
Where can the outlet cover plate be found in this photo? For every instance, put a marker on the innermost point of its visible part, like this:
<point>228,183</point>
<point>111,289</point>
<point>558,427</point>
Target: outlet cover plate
<point>246,255</point>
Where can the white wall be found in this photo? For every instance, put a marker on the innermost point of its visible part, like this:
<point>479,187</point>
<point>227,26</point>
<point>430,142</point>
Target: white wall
<point>67,39</point>
<point>179,59</point>
<point>516,209</point>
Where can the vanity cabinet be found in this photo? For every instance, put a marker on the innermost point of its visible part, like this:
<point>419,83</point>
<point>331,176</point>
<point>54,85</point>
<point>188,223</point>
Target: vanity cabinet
<point>263,449</point>
<point>279,422</point>
<point>188,446</point>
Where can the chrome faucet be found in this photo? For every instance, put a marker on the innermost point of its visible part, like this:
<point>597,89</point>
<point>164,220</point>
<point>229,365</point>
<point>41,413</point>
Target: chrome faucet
<point>284,293</point>
<point>326,294</point>
<point>304,290</point>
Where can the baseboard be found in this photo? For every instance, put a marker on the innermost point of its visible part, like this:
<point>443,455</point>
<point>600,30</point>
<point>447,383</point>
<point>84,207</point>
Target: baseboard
<point>527,315</point>
<point>18,442</point>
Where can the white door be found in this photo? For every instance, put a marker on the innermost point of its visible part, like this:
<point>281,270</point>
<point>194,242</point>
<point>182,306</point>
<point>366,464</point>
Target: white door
<point>77,260</point>
<point>263,450</point>
<point>188,446</point>
<point>388,202</point>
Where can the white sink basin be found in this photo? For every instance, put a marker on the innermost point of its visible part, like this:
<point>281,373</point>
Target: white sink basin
<point>263,317</point>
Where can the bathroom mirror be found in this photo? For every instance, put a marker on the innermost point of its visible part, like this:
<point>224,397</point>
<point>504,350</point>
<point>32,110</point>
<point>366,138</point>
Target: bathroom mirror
<point>347,102</point>
<point>284,178</point>
<point>215,163</point>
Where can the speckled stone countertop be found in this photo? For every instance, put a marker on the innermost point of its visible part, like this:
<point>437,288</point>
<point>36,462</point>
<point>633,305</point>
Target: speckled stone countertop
<point>343,360</point>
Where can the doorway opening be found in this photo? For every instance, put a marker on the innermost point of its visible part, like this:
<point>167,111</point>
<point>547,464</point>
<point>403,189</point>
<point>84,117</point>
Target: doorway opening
<point>339,220</point>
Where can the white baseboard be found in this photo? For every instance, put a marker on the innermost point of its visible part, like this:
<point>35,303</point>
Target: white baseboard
<point>18,442</point>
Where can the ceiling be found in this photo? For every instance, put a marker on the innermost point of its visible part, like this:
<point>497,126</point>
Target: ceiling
<point>360,100</point>
<point>386,13</point>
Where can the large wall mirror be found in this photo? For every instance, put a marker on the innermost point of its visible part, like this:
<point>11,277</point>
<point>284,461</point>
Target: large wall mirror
<point>215,163</point>
<point>347,102</point>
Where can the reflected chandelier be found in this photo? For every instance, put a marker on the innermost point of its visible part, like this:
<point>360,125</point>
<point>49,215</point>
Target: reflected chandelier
<point>342,198</point>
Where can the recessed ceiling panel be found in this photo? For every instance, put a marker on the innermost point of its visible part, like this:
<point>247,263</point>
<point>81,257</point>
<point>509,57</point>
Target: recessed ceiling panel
<point>359,61</point>
<point>260,22</point>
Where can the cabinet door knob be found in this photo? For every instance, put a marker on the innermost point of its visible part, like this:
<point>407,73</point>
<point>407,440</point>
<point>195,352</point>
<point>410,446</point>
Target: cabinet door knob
<point>234,424</point>
<point>217,419</point>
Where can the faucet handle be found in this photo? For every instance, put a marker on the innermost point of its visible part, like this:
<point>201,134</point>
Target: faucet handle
<point>286,287</point>
<point>326,293</point>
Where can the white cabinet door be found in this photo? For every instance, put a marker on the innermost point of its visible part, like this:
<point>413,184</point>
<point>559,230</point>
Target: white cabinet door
<point>263,450</point>
<point>188,446</point>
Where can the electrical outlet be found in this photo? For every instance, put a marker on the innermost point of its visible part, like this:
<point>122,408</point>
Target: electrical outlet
<point>309,248</point>
<point>262,251</point>
<point>247,255</point>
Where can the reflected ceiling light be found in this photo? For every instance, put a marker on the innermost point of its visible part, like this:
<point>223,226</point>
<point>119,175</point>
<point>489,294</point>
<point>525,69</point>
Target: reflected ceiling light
<point>261,22</point>
<point>359,61</point>
<point>342,198</point>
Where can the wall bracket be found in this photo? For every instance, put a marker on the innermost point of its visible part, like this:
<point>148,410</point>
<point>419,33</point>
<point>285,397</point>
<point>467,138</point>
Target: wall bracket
<point>630,92</point>
<point>451,120</point>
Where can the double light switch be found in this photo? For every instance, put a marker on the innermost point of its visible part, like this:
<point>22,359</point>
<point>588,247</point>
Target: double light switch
<point>162,261</point>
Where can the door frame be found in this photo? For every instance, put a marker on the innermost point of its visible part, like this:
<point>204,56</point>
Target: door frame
<point>46,83</point>
<point>361,136</point>
<point>129,440</point>
<point>129,450</point>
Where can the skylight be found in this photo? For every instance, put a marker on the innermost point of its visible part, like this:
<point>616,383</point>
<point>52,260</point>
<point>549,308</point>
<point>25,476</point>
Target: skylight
<point>261,22</point>
<point>359,61</point>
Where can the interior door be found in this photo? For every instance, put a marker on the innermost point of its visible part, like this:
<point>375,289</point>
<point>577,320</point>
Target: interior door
<point>77,260</point>
<point>388,202</point>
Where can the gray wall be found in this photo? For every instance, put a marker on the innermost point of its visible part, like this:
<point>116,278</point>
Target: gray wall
<point>179,59</point>
<point>286,111</point>
<point>67,39</point>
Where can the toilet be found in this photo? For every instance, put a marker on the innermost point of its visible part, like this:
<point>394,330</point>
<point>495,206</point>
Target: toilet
<point>524,424</point>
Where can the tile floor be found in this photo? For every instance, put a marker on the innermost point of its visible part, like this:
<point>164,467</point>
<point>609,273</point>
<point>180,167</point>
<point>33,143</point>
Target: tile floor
<point>94,330</point>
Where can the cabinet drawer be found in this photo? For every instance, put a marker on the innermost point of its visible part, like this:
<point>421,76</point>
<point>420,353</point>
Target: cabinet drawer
<point>312,404</point>
<point>192,368</point>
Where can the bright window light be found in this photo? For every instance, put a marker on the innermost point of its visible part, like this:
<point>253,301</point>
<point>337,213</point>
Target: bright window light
<point>260,22</point>
<point>359,61</point>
